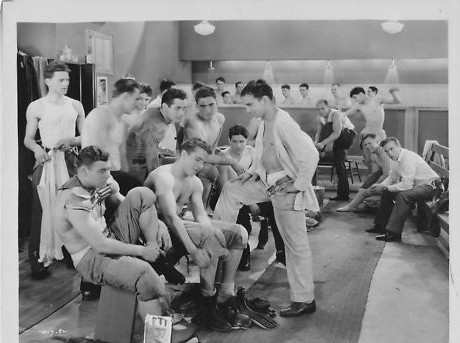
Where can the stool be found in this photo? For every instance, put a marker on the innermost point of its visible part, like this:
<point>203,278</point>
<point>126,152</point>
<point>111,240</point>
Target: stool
<point>116,315</point>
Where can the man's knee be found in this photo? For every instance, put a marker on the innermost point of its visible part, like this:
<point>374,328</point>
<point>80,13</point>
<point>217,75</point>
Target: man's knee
<point>149,285</point>
<point>236,237</point>
<point>142,197</point>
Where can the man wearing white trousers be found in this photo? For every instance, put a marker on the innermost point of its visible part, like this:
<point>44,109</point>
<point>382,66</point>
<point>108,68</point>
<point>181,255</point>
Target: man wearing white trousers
<point>285,160</point>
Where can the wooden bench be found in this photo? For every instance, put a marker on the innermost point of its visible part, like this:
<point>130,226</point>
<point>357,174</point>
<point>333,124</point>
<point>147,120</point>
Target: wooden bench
<point>439,226</point>
<point>116,315</point>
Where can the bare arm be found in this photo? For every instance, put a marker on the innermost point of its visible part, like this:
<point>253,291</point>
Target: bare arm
<point>31,130</point>
<point>395,98</point>
<point>352,110</point>
<point>197,207</point>
<point>385,169</point>
<point>88,229</point>
<point>80,120</point>
<point>336,129</point>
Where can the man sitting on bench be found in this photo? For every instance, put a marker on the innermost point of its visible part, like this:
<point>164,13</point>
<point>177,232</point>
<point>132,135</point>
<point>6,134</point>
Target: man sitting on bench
<point>410,180</point>
<point>177,186</point>
<point>111,253</point>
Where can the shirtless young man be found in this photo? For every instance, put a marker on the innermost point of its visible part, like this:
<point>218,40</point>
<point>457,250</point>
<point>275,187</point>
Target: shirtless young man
<point>154,125</point>
<point>176,186</point>
<point>338,101</point>
<point>55,116</point>
<point>382,161</point>
<point>207,124</point>
<point>284,164</point>
<point>104,128</point>
<point>373,112</point>
<point>110,253</point>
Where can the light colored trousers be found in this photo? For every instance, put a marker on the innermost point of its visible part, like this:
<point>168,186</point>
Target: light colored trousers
<point>291,225</point>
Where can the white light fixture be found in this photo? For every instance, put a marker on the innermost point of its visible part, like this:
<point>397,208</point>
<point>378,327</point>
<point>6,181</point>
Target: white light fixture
<point>211,68</point>
<point>204,28</point>
<point>329,65</point>
<point>393,65</point>
<point>392,26</point>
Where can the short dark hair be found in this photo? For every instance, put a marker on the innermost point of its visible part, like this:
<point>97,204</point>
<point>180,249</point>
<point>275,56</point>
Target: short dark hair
<point>191,144</point>
<point>90,154</point>
<point>335,83</point>
<point>388,140</point>
<point>198,85</point>
<point>237,83</point>
<point>258,89</point>
<point>53,67</point>
<point>171,94</point>
<point>305,85</point>
<point>237,130</point>
<point>224,93</point>
<point>374,89</point>
<point>166,84</point>
<point>357,90</point>
<point>322,101</point>
<point>145,88</point>
<point>124,86</point>
<point>220,78</point>
<point>205,92</point>
<point>286,86</point>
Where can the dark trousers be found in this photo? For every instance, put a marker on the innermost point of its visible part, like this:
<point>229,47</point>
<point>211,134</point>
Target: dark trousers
<point>395,206</point>
<point>339,155</point>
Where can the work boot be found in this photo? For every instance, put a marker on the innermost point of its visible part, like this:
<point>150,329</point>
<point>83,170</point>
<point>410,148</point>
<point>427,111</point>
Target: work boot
<point>38,269</point>
<point>245,262</point>
<point>210,317</point>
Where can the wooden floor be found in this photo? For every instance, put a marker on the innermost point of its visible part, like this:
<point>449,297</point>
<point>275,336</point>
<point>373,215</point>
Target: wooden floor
<point>362,287</point>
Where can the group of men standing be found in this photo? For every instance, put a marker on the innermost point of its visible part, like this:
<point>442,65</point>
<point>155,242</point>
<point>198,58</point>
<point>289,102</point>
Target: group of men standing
<point>121,229</point>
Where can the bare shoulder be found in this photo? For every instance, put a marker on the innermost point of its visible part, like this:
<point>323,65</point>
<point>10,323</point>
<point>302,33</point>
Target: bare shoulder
<point>160,179</point>
<point>100,115</point>
<point>76,104</point>
<point>220,117</point>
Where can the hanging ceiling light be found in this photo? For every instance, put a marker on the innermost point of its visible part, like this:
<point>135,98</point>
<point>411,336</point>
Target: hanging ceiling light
<point>329,65</point>
<point>392,26</point>
<point>204,28</point>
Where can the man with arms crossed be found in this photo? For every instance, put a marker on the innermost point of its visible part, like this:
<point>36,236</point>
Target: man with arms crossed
<point>176,186</point>
<point>55,116</point>
<point>104,128</point>
<point>207,124</point>
<point>382,161</point>
<point>284,164</point>
<point>117,252</point>
<point>410,180</point>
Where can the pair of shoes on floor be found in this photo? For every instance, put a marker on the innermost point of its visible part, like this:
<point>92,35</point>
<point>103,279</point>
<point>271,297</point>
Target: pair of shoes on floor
<point>376,229</point>
<point>389,236</point>
<point>298,308</point>
<point>337,198</point>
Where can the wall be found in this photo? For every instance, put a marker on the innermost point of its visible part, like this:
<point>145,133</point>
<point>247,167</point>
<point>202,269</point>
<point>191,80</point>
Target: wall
<point>147,50</point>
<point>312,40</point>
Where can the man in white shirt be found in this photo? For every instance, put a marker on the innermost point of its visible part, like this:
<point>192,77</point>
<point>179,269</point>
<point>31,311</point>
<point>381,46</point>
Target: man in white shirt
<point>411,180</point>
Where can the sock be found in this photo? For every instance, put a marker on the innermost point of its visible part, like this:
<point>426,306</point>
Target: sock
<point>208,293</point>
<point>227,290</point>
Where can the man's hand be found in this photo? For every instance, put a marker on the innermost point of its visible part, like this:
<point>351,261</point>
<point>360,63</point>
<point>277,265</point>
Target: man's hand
<point>65,144</point>
<point>238,168</point>
<point>163,237</point>
<point>41,155</point>
<point>377,187</point>
<point>320,146</point>
<point>287,188</point>
<point>151,252</point>
<point>255,210</point>
<point>202,258</point>
<point>244,177</point>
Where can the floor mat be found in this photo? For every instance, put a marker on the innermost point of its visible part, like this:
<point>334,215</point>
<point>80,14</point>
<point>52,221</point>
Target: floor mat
<point>38,299</point>
<point>344,260</point>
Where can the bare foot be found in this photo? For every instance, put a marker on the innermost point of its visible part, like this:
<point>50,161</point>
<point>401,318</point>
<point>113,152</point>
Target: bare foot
<point>344,209</point>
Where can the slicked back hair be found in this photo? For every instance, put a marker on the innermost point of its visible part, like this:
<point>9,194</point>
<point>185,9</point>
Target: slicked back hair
<point>258,89</point>
<point>53,67</point>
<point>90,154</point>
<point>204,92</point>
<point>124,86</point>
<point>171,94</point>
<point>191,144</point>
<point>238,130</point>
<point>357,90</point>
<point>388,140</point>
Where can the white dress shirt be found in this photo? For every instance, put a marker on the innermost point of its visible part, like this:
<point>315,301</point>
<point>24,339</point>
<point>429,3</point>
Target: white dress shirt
<point>409,171</point>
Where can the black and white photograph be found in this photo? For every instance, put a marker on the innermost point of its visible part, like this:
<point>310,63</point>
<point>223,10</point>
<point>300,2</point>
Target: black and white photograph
<point>234,171</point>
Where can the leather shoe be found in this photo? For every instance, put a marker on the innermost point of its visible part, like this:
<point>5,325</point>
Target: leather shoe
<point>339,198</point>
<point>389,237</point>
<point>297,309</point>
<point>376,229</point>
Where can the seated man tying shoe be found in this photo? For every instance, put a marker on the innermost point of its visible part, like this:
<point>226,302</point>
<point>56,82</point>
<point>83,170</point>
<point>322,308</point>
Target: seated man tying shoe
<point>110,253</point>
<point>176,186</point>
<point>411,180</point>
<point>379,159</point>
